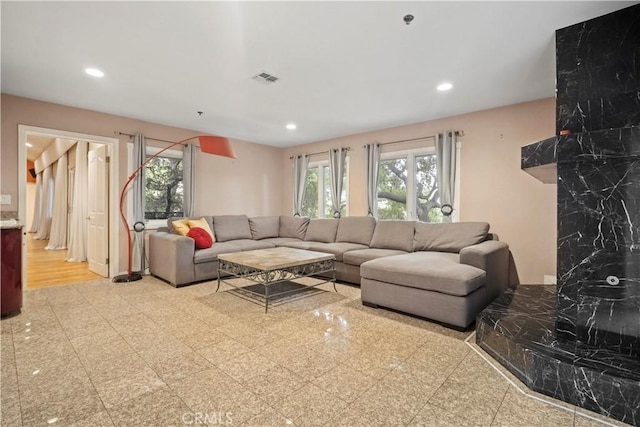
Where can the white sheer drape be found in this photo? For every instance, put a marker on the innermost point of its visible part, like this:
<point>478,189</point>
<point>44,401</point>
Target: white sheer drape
<point>300,167</point>
<point>189,179</point>
<point>58,233</point>
<point>78,235</point>
<point>138,187</point>
<point>336,169</point>
<point>46,205</point>
<point>35,222</point>
<point>446,165</point>
<point>373,163</point>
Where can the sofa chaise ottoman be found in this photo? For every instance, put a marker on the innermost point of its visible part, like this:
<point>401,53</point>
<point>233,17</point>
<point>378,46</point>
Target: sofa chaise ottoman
<point>451,275</point>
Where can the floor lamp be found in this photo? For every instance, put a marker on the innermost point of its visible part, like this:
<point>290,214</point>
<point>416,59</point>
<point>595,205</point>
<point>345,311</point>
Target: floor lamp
<point>215,145</point>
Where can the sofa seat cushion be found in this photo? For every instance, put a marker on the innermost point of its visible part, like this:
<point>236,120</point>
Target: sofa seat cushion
<point>211,254</point>
<point>297,244</point>
<point>431,271</point>
<point>280,241</point>
<point>338,249</point>
<point>250,245</point>
<point>359,256</point>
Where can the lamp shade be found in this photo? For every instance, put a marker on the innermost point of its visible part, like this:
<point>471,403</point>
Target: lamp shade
<point>217,145</point>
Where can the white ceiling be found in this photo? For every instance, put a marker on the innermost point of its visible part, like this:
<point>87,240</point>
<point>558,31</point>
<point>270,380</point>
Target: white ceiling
<point>344,67</point>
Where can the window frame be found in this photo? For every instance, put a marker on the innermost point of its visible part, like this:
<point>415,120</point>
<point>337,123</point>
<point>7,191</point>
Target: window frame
<point>150,224</point>
<point>410,155</point>
<point>321,164</point>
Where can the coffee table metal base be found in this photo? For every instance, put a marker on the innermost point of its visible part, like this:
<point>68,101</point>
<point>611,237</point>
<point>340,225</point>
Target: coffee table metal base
<point>269,278</point>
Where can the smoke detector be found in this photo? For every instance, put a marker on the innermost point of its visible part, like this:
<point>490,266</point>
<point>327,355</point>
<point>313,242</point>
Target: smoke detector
<point>265,78</point>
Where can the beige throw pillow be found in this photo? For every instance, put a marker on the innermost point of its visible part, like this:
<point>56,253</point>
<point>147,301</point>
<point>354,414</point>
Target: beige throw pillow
<point>181,226</point>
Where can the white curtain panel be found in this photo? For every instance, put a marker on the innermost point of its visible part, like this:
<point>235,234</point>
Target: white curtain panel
<point>138,186</point>
<point>58,234</point>
<point>300,167</point>
<point>373,163</point>
<point>35,222</point>
<point>78,235</point>
<point>46,205</point>
<point>446,165</point>
<point>336,169</point>
<point>189,179</point>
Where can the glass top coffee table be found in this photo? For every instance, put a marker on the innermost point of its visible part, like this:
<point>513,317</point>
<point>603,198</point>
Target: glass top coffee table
<point>271,273</point>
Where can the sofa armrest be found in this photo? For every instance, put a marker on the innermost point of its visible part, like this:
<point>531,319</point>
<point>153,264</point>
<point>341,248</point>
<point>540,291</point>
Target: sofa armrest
<point>492,257</point>
<point>171,257</point>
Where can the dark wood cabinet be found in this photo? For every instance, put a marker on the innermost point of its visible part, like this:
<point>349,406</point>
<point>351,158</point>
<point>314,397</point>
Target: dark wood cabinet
<point>11,268</point>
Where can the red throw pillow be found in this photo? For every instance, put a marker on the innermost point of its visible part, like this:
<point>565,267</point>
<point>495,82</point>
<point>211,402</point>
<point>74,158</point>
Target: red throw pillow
<point>201,236</point>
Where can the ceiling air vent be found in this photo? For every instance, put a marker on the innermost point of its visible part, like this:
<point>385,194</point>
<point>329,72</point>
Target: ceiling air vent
<point>265,78</point>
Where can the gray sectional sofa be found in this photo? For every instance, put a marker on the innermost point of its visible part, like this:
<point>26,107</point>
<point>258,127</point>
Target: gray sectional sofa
<point>444,272</point>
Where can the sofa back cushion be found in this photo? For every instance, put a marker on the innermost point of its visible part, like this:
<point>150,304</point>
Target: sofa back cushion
<point>393,235</point>
<point>231,227</point>
<point>450,237</point>
<point>322,230</point>
<point>356,229</point>
<point>264,227</point>
<point>293,226</point>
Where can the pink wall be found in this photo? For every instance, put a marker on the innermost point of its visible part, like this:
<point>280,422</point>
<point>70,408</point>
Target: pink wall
<point>520,209</point>
<point>224,185</point>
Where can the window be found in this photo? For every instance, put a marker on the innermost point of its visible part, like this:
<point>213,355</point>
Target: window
<point>408,187</point>
<point>317,196</point>
<point>165,192</point>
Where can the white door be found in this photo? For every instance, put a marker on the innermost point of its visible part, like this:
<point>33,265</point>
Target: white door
<point>98,201</point>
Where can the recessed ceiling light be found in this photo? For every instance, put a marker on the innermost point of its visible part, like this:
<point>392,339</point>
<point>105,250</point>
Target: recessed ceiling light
<point>444,86</point>
<point>94,72</point>
<point>28,144</point>
<point>291,126</point>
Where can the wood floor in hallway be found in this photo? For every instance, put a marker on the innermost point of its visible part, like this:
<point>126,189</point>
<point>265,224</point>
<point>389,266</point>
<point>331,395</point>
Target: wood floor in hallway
<point>48,268</point>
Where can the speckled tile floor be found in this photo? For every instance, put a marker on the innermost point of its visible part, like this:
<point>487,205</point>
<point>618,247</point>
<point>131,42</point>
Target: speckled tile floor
<point>144,353</point>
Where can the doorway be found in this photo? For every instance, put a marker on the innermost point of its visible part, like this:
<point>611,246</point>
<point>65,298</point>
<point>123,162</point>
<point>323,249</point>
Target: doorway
<point>53,262</point>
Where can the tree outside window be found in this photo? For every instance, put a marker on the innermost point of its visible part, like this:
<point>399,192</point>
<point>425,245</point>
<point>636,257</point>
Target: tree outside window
<point>310,201</point>
<point>408,188</point>
<point>317,196</point>
<point>164,190</point>
<point>392,189</point>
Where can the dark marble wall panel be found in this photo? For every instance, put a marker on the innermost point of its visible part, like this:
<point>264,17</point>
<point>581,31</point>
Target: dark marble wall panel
<point>599,238</point>
<point>609,143</point>
<point>599,113</point>
<point>590,65</point>
<point>598,73</point>
<point>597,327</point>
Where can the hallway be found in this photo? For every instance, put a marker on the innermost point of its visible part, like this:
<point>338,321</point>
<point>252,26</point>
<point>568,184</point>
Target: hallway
<point>48,268</point>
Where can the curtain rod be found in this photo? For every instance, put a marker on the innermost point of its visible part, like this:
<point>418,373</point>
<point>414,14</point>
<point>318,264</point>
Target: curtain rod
<point>321,152</point>
<point>458,133</point>
<point>146,137</point>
